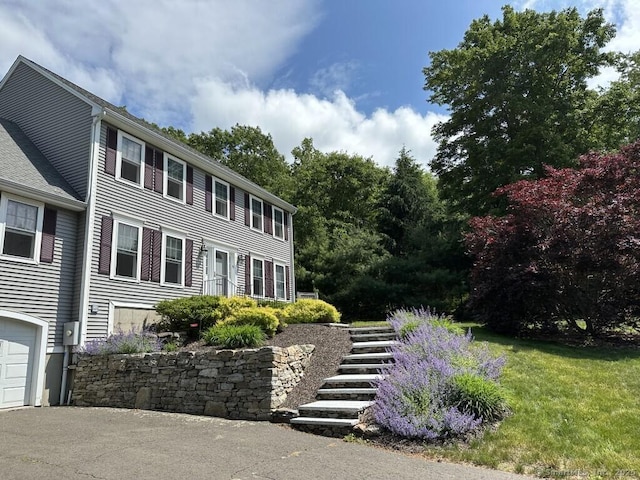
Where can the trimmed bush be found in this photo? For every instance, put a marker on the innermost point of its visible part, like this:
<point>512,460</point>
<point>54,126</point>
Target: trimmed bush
<point>179,313</point>
<point>263,317</point>
<point>478,396</point>
<point>228,307</point>
<point>123,342</point>
<point>234,336</point>
<point>312,311</point>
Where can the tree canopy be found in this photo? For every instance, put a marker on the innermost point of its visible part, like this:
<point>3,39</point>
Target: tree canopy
<point>517,93</point>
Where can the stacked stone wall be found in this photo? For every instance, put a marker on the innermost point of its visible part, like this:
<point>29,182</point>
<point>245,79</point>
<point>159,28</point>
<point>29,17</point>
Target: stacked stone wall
<point>236,384</point>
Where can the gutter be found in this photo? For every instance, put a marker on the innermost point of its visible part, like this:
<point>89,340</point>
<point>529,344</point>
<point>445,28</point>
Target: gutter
<point>98,114</point>
<point>45,197</point>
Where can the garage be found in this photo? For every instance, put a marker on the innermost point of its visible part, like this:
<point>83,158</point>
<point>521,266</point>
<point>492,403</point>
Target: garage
<point>20,361</point>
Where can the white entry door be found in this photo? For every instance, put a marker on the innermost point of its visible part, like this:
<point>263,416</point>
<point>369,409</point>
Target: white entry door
<point>17,346</point>
<point>218,279</point>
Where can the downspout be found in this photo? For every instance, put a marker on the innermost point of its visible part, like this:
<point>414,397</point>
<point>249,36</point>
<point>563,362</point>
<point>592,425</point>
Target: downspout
<point>293,262</point>
<point>98,114</point>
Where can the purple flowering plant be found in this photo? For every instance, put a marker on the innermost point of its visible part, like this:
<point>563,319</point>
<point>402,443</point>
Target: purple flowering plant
<point>133,341</point>
<point>417,396</point>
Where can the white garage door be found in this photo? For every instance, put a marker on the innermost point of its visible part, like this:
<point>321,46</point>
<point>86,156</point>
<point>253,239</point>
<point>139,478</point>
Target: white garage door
<point>17,341</point>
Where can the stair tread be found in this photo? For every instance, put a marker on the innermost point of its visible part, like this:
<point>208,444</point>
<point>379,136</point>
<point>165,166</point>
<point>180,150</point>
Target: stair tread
<point>370,329</point>
<point>368,356</point>
<point>356,366</point>
<point>334,422</point>
<point>337,405</point>
<point>375,343</point>
<point>353,390</point>
<point>354,378</point>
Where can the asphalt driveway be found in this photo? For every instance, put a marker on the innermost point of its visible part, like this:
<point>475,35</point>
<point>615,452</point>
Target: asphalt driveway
<point>107,443</point>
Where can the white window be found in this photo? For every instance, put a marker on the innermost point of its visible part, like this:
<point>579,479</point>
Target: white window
<point>256,213</point>
<point>130,159</point>
<point>172,259</point>
<point>257,275</point>
<point>221,193</point>
<point>174,178</point>
<point>127,244</point>
<point>280,281</point>
<point>20,227</point>
<point>278,223</point>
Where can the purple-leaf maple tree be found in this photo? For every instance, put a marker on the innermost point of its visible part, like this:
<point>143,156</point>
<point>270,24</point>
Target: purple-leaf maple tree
<point>568,249</point>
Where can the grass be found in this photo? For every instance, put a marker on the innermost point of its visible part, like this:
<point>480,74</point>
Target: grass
<point>575,412</point>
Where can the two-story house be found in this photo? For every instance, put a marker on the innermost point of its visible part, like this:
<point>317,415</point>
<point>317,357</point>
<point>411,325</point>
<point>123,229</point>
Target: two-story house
<point>101,217</point>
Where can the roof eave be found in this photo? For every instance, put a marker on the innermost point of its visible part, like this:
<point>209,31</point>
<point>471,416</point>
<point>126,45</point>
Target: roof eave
<point>37,194</point>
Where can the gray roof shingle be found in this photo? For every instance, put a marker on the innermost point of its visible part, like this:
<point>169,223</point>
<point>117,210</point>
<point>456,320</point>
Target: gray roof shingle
<point>22,164</point>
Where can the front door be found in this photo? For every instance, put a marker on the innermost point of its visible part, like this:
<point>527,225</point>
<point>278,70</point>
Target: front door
<point>217,273</point>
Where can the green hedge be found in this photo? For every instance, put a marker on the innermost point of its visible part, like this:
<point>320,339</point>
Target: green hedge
<point>311,311</point>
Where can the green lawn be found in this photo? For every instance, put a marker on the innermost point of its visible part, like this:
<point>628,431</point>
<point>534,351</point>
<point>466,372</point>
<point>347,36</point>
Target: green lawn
<point>576,412</point>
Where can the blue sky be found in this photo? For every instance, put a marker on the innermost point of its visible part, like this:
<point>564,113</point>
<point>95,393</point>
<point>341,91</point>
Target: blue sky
<point>347,73</point>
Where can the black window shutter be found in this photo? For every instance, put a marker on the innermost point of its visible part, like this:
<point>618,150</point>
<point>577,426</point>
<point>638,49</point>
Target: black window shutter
<point>247,210</point>
<point>145,269</point>
<point>188,263</point>
<point>232,203</point>
<point>247,275</point>
<point>288,281</point>
<point>268,279</point>
<point>286,225</point>
<point>208,189</point>
<point>48,235</point>
<point>112,147</point>
<point>148,167</point>
<point>189,185</point>
<point>158,160</point>
<point>268,224</point>
<point>156,255</point>
<point>104,261</point>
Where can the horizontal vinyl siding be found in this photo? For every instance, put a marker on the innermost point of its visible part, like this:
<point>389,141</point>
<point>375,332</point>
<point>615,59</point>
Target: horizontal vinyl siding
<point>156,212</point>
<point>45,290</point>
<point>56,121</point>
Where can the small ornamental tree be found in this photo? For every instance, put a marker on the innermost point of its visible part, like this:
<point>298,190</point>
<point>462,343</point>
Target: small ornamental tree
<point>568,249</point>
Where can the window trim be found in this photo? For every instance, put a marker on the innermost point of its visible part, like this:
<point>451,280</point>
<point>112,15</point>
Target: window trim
<point>214,198</point>
<point>273,220</point>
<point>251,199</point>
<point>117,221</point>
<point>143,145</point>
<point>275,280</point>
<point>253,292</point>
<point>163,258</point>
<point>4,205</point>
<point>165,178</point>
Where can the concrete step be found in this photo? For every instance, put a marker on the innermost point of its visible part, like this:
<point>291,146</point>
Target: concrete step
<point>377,357</point>
<point>363,367</point>
<point>346,409</point>
<point>378,346</point>
<point>352,380</point>
<point>366,337</point>
<point>329,422</point>
<point>370,330</point>
<point>355,393</point>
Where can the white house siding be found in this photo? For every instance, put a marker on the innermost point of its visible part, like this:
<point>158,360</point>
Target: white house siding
<point>56,121</point>
<point>45,290</point>
<point>195,221</point>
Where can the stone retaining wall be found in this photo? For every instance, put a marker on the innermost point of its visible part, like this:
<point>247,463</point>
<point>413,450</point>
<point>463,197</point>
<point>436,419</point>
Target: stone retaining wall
<point>236,384</point>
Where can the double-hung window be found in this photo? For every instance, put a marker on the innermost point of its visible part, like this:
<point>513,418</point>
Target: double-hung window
<point>280,281</point>
<point>221,190</point>
<point>174,180</point>
<point>127,245</point>
<point>278,223</point>
<point>256,213</point>
<point>20,227</point>
<point>257,275</point>
<point>172,259</point>
<point>130,159</point>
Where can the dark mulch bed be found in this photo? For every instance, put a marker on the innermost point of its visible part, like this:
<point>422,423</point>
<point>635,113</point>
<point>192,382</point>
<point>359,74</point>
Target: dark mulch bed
<point>332,343</point>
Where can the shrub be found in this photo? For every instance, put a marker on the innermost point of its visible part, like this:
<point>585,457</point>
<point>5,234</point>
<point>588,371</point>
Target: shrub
<point>426,394</point>
<point>179,313</point>
<point>227,307</point>
<point>263,317</point>
<point>312,311</point>
<point>123,342</point>
<point>234,336</point>
<point>478,396</point>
